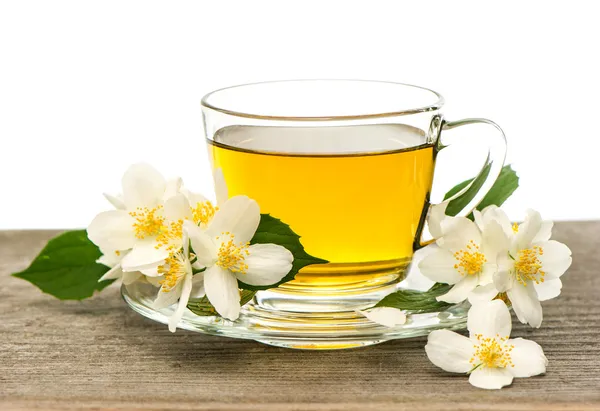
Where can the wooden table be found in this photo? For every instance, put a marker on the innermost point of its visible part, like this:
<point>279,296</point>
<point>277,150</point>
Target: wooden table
<point>99,354</point>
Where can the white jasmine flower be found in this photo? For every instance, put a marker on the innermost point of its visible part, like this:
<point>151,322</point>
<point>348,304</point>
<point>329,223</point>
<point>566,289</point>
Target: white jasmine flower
<point>147,224</point>
<point>223,248</point>
<point>466,257</point>
<point>386,316</point>
<point>491,358</point>
<point>138,226</point>
<point>530,271</point>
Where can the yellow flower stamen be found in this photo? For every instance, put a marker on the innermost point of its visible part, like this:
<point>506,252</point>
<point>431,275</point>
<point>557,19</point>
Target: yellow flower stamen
<point>170,232</point>
<point>492,352</point>
<point>172,270</point>
<point>118,253</point>
<point>231,256</point>
<point>528,266</point>
<point>147,222</point>
<point>470,260</point>
<point>203,212</point>
<point>515,228</point>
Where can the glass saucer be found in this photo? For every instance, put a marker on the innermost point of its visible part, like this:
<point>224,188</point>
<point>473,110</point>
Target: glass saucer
<point>266,322</point>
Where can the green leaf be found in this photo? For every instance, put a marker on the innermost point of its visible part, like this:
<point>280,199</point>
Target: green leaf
<point>273,230</point>
<point>417,301</point>
<point>198,270</point>
<point>503,188</point>
<point>458,204</point>
<point>66,268</point>
<point>201,306</point>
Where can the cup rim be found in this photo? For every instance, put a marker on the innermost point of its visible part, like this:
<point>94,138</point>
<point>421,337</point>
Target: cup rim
<point>435,105</point>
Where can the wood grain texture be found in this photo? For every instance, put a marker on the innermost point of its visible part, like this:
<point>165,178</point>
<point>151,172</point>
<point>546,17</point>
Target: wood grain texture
<point>98,354</point>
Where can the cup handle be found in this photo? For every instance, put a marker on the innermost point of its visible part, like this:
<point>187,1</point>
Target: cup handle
<point>470,196</point>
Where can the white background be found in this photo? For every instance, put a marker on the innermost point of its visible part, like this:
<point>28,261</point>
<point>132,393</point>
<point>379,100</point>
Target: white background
<point>88,87</point>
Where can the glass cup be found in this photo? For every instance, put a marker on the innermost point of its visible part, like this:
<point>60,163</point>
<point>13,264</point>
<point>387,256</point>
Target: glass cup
<point>349,166</point>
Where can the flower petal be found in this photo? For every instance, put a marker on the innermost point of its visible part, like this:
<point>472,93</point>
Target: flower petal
<point>503,280</point>
<point>112,230</point>
<point>222,291</point>
<point>490,378</point>
<point>478,218</point>
<point>545,232</point>
<point>495,213</point>
<point>239,215</point>
<point>528,358</point>
<point>198,290</point>
<point>529,229</point>
<point>449,351</point>
<point>155,281</point>
<point>458,232</point>
<point>548,289</point>
<point>112,274</point>
<point>185,246</point>
<point>220,186</point>
<point>177,208</point>
<point>436,215</point>
<point>439,266</point>
<point>526,304</point>
<point>143,186</point>
<point>151,270</point>
<point>556,258</point>
<point>415,280</point>
<point>116,201</point>
<point>267,264</point>
<point>487,274</point>
<point>494,241</point>
<point>460,292</point>
<point>193,198</point>
<point>204,246</point>
<point>143,255</point>
<point>488,319</point>
<point>483,294</point>
<point>386,316</point>
<point>167,296</point>
<point>111,258</point>
<point>182,305</point>
<point>172,188</point>
<point>106,260</point>
<point>131,277</point>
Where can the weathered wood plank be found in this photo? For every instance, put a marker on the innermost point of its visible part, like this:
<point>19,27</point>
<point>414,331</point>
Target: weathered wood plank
<point>98,354</point>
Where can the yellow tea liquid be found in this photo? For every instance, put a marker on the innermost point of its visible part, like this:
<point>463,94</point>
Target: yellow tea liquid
<point>355,195</point>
